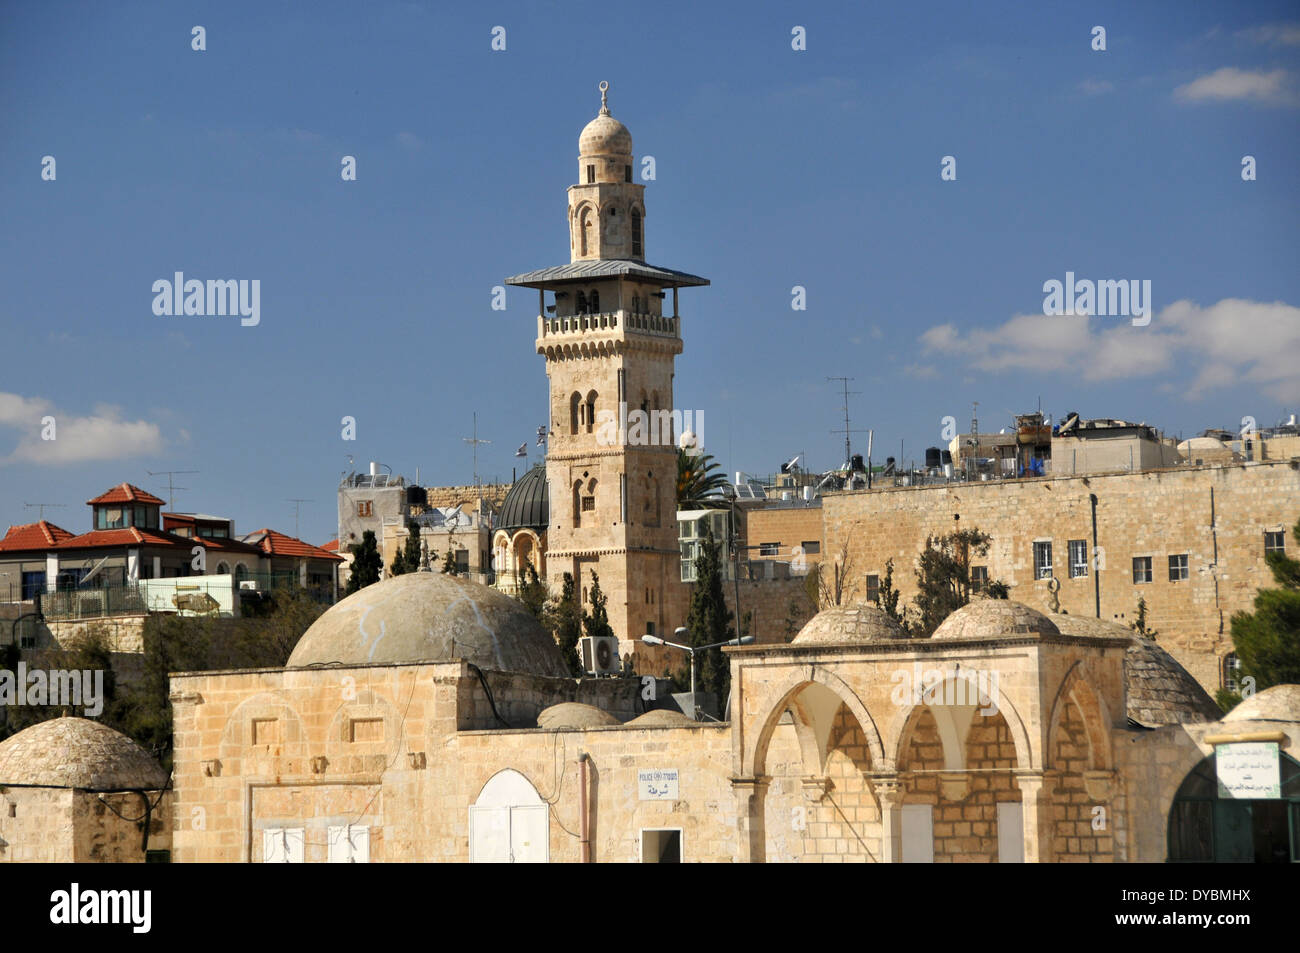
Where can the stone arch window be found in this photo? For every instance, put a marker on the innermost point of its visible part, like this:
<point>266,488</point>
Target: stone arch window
<point>222,569</point>
<point>241,573</point>
<point>591,410</point>
<point>595,301</point>
<point>577,504</point>
<point>575,404</point>
<point>636,233</point>
<point>650,511</point>
<point>580,304</point>
<point>613,212</point>
<point>509,822</point>
<point>584,227</point>
<point>636,304</point>
<point>591,175</point>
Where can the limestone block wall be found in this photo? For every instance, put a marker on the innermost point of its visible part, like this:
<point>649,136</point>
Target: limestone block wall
<point>1078,835</point>
<point>1216,516</point>
<point>64,825</point>
<point>36,825</point>
<point>787,527</point>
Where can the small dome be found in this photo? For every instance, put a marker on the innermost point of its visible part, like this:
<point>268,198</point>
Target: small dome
<point>1159,690</point>
<point>661,718</point>
<point>847,625</point>
<point>990,618</point>
<point>78,753</point>
<point>527,504</point>
<point>605,136</point>
<point>574,715</point>
<point>430,617</point>
<point>1279,703</point>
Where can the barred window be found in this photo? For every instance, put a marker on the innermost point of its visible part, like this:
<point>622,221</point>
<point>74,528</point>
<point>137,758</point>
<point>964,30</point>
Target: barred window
<point>873,587</point>
<point>1141,569</point>
<point>1178,567</point>
<point>1078,558</point>
<point>1275,542</point>
<point>1043,560</point>
<point>979,578</point>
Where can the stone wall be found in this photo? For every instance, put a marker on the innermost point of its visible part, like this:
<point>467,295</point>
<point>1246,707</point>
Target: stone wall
<point>1217,516</point>
<point>62,825</point>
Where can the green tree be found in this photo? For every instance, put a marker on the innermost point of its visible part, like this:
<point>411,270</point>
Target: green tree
<point>1139,625</point>
<point>709,621</point>
<point>943,577</point>
<point>407,559</point>
<point>564,619</point>
<point>532,592</point>
<point>1267,640</point>
<point>596,622</point>
<point>699,480</point>
<point>367,563</point>
<point>887,597</point>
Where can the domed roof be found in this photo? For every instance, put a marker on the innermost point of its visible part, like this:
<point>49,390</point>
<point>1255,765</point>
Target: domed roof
<point>605,135</point>
<point>430,617</point>
<point>78,753</point>
<point>660,718</point>
<point>1159,690</point>
<point>989,618</point>
<point>528,503</point>
<point>846,625</point>
<point>1279,703</point>
<point>574,715</point>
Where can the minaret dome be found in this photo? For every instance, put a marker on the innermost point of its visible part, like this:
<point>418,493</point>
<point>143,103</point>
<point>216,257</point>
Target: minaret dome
<point>604,148</point>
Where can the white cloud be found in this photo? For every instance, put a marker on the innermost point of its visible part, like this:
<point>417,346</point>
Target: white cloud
<point>1226,343</point>
<point>1096,87</point>
<point>1273,34</point>
<point>1229,84</point>
<point>101,435</point>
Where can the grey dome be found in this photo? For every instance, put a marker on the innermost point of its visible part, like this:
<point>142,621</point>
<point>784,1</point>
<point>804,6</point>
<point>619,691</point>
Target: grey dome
<point>430,617</point>
<point>574,715</point>
<point>846,625</point>
<point>78,753</point>
<point>528,504</point>
<point>1279,703</point>
<point>992,618</point>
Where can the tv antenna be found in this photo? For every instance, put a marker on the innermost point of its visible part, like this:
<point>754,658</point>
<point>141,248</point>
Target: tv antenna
<point>40,507</point>
<point>171,487</point>
<point>474,441</point>
<point>296,505</point>
<point>848,453</point>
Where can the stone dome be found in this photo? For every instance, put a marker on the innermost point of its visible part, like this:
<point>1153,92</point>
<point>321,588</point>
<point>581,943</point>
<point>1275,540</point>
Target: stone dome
<point>605,135</point>
<point>847,625</point>
<point>1279,703</point>
<point>430,617</point>
<point>990,618</point>
<point>527,504</point>
<point>1159,690</point>
<point>574,715</point>
<point>661,718</point>
<point>79,753</point>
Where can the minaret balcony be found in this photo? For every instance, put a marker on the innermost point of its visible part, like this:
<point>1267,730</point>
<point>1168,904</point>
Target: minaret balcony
<point>640,323</point>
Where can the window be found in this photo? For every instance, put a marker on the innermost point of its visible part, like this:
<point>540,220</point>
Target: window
<point>365,508</point>
<point>588,503</point>
<point>1043,560</point>
<point>110,517</point>
<point>349,844</point>
<point>873,587</point>
<point>661,846</point>
<point>627,173</point>
<point>282,845</point>
<point>33,582</point>
<point>1232,672</point>
<point>1274,542</point>
<point>649,628</point>
<point>769,549</point>
<point>462,561</point>
<point>1078,558</point>
<point>1141,569</point>
<point>979,578</point>
<point>636,233</point>
<point>1178,567</point>
<point>591,174</point>
<point>594,302</point>
<point>811,547</point>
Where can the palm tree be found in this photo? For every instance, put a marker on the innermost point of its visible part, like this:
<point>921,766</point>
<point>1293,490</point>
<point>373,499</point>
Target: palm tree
<point>699,479</point>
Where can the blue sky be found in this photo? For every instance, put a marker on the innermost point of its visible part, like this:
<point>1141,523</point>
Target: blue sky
<point>775,168</point>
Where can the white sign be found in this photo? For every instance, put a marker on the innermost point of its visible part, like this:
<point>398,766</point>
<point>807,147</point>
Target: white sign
<point>1249,770</point>
<point>657,785</point>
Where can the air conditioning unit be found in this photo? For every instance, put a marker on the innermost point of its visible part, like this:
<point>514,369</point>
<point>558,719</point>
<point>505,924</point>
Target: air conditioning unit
<point>600,655</point>
<point>248,584</point>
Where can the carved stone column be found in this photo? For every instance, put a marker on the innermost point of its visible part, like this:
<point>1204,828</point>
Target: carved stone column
<point>1036,789</point>
<point>751,793</point>
<point>889,792</point>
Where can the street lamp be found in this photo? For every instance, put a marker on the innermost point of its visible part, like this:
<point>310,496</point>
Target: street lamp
<point>681,633</point>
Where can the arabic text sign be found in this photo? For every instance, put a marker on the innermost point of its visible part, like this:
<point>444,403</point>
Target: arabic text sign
<point>1249,770</point>
<point>658,785</point>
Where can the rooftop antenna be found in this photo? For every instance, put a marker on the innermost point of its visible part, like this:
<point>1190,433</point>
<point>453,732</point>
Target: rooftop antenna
<point>171,487</point>
<point>848,453</point>
<point>474,441</point>
<point>296,505</point>
<point>40,507</point>
<point>974,417</point>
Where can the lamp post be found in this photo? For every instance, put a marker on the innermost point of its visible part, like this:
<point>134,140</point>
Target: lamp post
<point>734,539</point>
<point>681,633</point>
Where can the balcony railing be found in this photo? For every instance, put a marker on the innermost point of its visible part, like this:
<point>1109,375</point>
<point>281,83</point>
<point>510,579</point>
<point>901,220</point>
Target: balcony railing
<point>610,320</point>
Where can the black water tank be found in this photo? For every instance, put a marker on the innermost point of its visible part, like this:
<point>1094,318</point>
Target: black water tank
<point>416,495</point>
<point>931,457</point>
<point>945,457</point>
<point>855,462</point>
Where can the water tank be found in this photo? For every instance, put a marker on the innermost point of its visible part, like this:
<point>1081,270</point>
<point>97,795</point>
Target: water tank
<point>374,468</point>
<point>931,457</point>
<point>416,495</point>
<point>808,493</point>
<point>945,457</point>
<point>855,462</point>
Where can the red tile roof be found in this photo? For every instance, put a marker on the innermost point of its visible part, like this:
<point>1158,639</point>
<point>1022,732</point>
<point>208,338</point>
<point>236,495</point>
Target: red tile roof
<point>278,544</point>
<point>130,536</point>
<point>40,535</point>
<point>332,546</point>
<point>126,493</point>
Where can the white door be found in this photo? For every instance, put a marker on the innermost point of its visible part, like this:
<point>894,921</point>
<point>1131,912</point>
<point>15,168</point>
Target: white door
<point>1011,832</point>
<point>918,834</point>
<point>509,823</point>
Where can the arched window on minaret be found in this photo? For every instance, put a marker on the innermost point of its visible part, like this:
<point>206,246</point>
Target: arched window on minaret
<point>645,404</point>
<point>636,233</point>
<point>584,227</point>
<point>591,410</point>
<point>595,301</point>
<point>650,513</point>
<point>577,504</point>
<point>575,404</point>
<point>580,304</point>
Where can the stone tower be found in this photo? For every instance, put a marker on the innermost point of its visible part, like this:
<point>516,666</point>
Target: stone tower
<point>609,336</point>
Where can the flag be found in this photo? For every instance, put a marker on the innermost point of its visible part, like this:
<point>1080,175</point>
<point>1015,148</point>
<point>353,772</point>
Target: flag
<point>523,450</point>
<point>541,435</point>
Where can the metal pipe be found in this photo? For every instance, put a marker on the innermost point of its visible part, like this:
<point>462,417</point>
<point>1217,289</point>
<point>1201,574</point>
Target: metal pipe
<point>1096,566</point>
<point>584,823</point>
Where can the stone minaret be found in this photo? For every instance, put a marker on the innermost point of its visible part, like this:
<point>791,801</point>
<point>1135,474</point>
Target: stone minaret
<point>610,332</point>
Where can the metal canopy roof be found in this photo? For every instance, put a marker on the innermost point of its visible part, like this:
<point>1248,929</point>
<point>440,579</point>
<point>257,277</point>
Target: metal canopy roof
<point>605,268</point>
